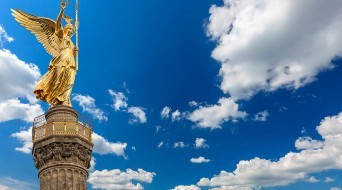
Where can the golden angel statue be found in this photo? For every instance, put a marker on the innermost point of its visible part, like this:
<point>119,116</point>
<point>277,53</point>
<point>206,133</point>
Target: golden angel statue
<point>55,86</point>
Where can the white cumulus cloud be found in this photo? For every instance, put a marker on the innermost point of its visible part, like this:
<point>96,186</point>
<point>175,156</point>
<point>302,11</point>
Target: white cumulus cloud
<point>308,143</point>
<point>103,146</point>
<point>199,160</point>
<point>25,137</point>
<point>264,45</point>
<point>186,187</point>
<point>293,167</point>
<point>233,188</point>
<point>213,116</point>
<point>17,80</point>
<point>87,103</point>
<point>200,143</point>
<point>14,109</point>
<point>120,180</point>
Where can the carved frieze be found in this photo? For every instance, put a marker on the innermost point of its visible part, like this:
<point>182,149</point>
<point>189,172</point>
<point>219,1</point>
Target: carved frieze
<point>62,152</point>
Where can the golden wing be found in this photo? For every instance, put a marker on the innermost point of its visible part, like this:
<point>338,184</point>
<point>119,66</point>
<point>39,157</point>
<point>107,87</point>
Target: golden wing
<point>42,28</point>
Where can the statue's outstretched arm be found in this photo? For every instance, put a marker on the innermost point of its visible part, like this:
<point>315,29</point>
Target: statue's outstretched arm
<point>60,16</point>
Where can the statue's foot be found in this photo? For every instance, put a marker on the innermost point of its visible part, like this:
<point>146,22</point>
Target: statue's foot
<point>56,101</point>
<point>67,103</point>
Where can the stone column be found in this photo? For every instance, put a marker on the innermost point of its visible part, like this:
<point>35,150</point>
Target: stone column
<point>62,150</point>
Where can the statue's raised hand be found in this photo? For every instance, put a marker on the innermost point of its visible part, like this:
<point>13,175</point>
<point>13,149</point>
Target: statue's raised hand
<point>64,4</point>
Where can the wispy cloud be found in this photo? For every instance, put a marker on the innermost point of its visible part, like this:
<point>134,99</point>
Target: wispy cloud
<point>311,179</point>
<point>92,164</point>
<point>120,104</point>
<point>119,100</point>
<point>328,179</point>
<point>87,103</point>
<point>261,116</point>
<point>9,183</point>
<point>193,104</point>
<point>160,144</point>
<point>165,113</point>
<point>176,115</point>
<point>4,37</point>
<point>138,113</point>
<point>180,145</point>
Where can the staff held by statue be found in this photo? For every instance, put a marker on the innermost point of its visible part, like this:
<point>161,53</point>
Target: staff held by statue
<point>76,25</point>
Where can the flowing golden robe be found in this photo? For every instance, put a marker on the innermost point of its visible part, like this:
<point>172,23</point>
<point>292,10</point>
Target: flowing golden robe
<point>56,85</point>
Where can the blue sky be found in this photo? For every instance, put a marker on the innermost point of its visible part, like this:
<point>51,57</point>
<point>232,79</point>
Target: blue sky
<point>188,95</point>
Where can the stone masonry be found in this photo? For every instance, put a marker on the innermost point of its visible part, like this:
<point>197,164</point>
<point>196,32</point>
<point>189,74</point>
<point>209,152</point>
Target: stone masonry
<point>62,150</point>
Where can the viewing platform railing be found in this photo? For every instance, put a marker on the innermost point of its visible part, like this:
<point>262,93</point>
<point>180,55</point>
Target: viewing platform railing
<point>62,126</point>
